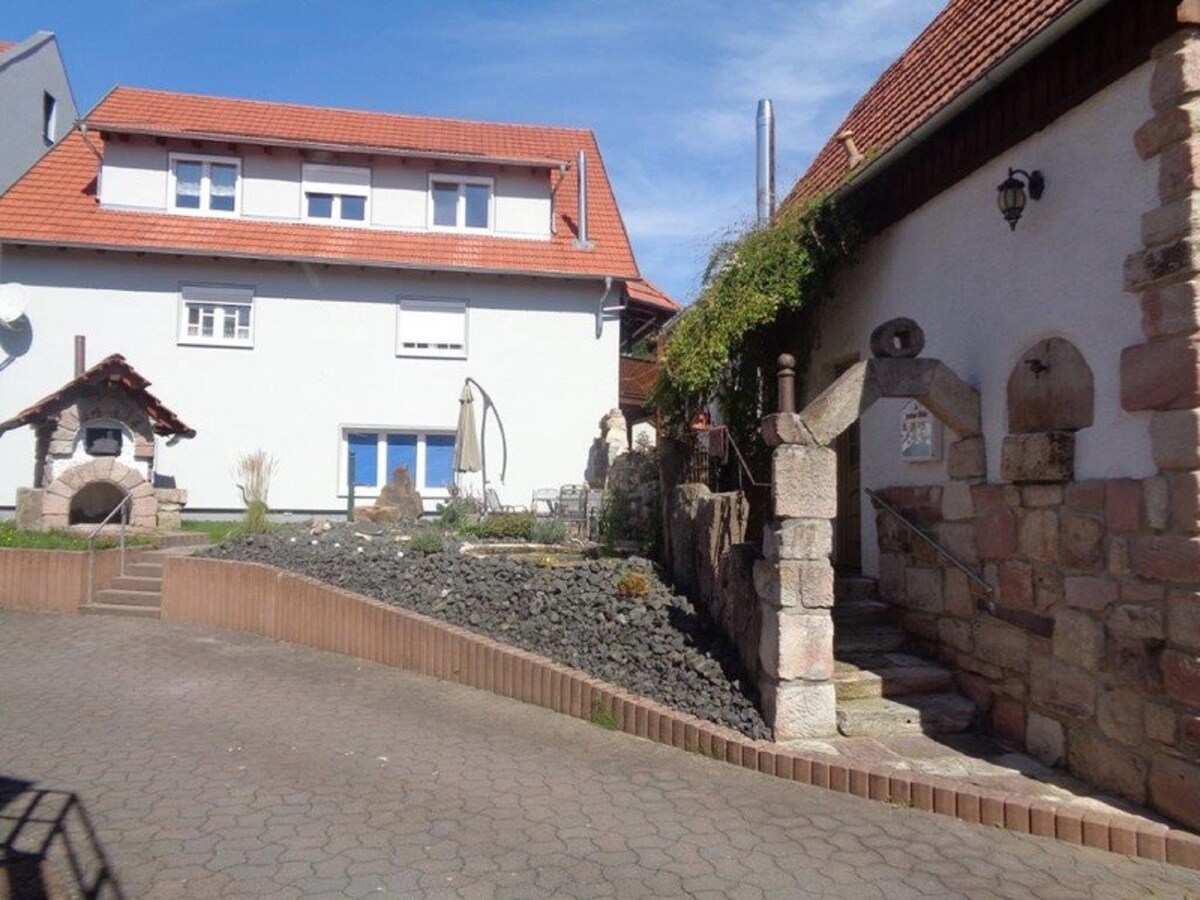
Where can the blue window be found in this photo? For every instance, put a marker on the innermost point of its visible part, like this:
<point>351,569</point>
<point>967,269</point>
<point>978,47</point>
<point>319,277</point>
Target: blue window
<point>354,208</point>
<point>402,451</point>
<point>320,206</point>
<point>365,448</point>
<point>439,460</point>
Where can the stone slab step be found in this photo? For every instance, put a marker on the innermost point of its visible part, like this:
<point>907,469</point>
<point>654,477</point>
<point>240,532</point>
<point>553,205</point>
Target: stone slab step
<point>867,639</point>
<point>855,587</point>
<point>130,582</point>
<point>889,675</point>
<point>124,597</point>
<point>861,612</point>
<point>927,714</point>
<point>144,570</point>
<point>116,609</point>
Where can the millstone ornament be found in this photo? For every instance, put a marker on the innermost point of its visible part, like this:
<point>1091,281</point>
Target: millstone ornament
<point>898,339</point>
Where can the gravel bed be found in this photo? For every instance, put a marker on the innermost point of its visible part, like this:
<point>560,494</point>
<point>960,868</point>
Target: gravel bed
<point>657,645</point>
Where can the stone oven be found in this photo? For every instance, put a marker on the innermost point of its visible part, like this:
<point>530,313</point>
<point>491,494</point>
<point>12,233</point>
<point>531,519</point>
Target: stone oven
<point>95,441</point>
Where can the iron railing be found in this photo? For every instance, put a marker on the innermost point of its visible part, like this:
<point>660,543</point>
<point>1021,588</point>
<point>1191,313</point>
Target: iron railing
<point>123,509</point>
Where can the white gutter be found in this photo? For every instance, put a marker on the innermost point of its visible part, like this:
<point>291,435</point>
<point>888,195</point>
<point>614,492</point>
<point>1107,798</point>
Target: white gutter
<point>328,146</point>
<point>988,81</point>
<point>320,261</point>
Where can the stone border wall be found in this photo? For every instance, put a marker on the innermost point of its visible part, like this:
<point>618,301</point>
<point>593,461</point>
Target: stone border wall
<point>52,580</point>
<point>1087,659</point>
<point>276,604</point>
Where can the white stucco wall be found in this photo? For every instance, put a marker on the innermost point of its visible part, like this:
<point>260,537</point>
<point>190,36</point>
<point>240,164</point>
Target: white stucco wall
<point>27,70</point>
<point>134,176</point>
<point>984,294</point>
<point>323,358</point>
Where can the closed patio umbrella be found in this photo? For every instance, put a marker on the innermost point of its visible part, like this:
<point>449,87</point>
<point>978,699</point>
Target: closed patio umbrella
<point>467,456</point>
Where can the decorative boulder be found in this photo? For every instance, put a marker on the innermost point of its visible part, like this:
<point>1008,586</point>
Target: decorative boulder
<point>400,498</point>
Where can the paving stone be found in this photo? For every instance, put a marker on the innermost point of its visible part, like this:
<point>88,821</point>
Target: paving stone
<point>392,785</point>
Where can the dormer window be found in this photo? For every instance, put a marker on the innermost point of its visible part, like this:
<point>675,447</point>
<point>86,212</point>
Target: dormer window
<point>460,203</point>
<point>205,184</point>
<point>336,193</point>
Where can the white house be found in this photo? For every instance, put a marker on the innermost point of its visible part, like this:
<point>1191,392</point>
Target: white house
<point>35,97</point>
<point>315,281</point>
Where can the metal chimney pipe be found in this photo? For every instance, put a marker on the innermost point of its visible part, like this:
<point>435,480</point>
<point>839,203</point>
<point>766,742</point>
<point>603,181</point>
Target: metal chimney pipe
<point>764,168</point>
<point>80,354</point>
<point>582,241</point>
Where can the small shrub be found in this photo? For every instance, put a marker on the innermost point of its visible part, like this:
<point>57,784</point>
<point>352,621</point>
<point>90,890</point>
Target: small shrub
<point>427,540</point>
<point>633,584</point>
<point>548,531</point>
<point>505,526</point>
<point>603,716</point>
<point>460,510</point>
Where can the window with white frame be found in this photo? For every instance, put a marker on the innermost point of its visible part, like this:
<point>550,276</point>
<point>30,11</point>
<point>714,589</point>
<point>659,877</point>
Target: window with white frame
<point>431,326</point>
<point>220,316</point>
<point>336,193</point>
<point>460,203</point>
<point>205,184</point>
<point>49,117</point>
<point>372,455</point>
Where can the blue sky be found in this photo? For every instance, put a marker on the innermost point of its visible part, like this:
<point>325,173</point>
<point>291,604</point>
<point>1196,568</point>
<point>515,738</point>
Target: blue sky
<point>669,87</point>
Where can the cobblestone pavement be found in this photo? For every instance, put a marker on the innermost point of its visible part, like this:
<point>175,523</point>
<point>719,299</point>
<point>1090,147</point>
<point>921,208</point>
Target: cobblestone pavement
<point>214,764</point>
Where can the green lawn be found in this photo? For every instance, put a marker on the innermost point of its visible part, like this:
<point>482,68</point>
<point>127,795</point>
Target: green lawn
<point>11,536</point>
<point>217,531</point>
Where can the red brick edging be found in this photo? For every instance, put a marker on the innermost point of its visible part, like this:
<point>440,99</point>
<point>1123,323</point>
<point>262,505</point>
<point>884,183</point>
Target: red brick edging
<point>274,603</point>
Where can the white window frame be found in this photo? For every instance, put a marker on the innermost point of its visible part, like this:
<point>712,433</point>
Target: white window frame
<point>382,476</point>
<point>206,163</point>
<point>461,207</point>
<point>225,297</point>
<point>439,304</point>
<point>338,181</point>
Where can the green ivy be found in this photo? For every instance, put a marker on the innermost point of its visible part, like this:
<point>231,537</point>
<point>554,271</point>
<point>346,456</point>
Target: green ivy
<point>757,286</point>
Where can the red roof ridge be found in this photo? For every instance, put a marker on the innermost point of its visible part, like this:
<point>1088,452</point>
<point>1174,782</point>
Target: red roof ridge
<point>340,110</point>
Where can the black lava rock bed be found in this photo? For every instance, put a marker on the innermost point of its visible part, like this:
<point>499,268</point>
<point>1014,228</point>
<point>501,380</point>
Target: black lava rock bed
<point>656,645</point>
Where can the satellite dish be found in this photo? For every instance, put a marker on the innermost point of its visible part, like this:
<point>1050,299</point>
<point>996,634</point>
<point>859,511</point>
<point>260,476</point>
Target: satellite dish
<point>12,310</point>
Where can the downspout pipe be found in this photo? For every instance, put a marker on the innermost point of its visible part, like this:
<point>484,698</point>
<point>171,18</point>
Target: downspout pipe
<point>986,82</point>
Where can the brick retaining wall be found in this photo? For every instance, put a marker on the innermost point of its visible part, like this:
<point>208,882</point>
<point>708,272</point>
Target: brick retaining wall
<point>51,580</point>
<point>276,604</point>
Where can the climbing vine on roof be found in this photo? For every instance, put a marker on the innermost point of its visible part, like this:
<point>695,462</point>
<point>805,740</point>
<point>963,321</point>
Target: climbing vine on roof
<point>756,284</point>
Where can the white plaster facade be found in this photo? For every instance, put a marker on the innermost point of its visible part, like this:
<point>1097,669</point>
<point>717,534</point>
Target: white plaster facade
<point>984,294</point>
<point>323,361</point>
<point>29,71</point>
<point>135,175</point>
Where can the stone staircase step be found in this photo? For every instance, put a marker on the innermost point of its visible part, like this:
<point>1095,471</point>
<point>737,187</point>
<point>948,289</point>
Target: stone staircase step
<point>851,613</point>
<point>855,587</point>
<point>118,609</point>
<point>130,582</point>
<point>144,570</point>
<point>925,714</point>
<point>889,675</point>
<point>868,639</point>
<point>125,597</point>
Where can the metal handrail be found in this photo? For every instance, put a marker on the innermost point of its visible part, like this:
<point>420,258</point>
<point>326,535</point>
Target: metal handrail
<point>91,541</point>
<point>923,535</point>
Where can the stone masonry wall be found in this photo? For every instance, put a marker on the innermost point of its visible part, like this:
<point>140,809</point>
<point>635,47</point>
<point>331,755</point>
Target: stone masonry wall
<point>1089,658</point>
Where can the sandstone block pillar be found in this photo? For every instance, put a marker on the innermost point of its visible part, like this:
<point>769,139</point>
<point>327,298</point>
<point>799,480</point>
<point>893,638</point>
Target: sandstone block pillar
<point>794,582</point>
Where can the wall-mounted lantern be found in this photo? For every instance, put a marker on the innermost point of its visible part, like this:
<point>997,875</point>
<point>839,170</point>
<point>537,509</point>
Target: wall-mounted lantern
<point>1011,194</point>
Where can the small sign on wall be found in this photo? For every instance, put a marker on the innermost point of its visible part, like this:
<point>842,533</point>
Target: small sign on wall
<point>920,434</point>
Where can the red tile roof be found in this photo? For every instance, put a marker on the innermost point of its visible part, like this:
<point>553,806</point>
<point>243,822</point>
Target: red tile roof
<point>56,203</point>
<point>965,40</point>
<point>647,294</point>
<point>7,45</point>
<point>111,372</point>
